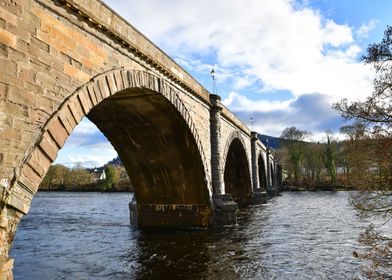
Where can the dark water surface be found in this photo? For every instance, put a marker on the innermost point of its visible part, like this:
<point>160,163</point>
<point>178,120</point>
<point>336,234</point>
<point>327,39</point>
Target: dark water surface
<point>88,236</point>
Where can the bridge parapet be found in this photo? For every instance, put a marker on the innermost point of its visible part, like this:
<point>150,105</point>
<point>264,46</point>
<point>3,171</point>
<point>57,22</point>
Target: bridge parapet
<point>127,36</point>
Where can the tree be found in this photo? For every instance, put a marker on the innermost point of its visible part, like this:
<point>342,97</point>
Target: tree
<point>47,182</point>
<point>330,158</point>
<point>370,145</point>
<point>56,177</point>
<point>60,177</point>
<point>293,140</point>
<point>79,177</point>
<point>313,161</point>
<point>111,178</point>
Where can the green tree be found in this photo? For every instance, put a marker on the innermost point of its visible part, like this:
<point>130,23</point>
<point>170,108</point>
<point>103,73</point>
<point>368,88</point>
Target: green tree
<point>56,177</point>
<point>313,161</point>
<point>281,155</point>
<point>47,182</point>
<point>293,140</point>
<point>111,178</point>
<point>78,178</point>
<point>370,154</point>
<point>330,158</point>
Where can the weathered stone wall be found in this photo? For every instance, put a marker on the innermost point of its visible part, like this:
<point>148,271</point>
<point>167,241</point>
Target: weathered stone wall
<point>229,131</point>
<point>59,58</point>
<point>261,150</point>
<point>47,54</point>
<point>48,50</point>
<point>200,114</point>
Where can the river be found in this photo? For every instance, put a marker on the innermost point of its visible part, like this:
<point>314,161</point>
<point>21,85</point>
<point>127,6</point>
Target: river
<point>304,235</point>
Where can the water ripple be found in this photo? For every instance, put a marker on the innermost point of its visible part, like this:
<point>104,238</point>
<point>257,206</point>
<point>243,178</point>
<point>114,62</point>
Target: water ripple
<point>87,236</point>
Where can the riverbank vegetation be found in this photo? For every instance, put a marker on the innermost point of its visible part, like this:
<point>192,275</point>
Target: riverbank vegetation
<point>362,162</point>
<point>107,178</point>
<point>311,165</point>
<point>369,155</point>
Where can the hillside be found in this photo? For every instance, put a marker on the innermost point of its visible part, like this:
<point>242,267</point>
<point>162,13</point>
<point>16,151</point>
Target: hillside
<point>116,161</point>
<point>273,142</point>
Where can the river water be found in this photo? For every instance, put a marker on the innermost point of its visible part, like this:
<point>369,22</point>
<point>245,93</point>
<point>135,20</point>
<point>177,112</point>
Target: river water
<point>88,236</point>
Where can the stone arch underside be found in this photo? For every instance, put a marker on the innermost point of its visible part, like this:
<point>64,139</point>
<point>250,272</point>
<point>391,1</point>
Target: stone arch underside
<point>151,129</point>
<point>236,171</point>
<point>272,174</point>
<point>262,172</point>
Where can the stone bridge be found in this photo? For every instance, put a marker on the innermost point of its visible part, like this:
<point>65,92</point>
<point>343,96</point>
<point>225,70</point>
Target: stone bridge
<point>190,160</point>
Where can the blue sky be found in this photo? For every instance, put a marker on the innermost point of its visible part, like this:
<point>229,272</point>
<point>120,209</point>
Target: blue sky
<point>281,62</point>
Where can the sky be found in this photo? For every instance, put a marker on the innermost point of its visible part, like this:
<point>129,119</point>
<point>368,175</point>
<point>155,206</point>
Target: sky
<point>281,62</point>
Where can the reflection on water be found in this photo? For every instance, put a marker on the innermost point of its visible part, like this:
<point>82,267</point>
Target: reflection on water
<point>88,236</point>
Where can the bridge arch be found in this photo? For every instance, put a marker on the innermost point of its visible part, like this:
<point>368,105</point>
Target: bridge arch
<point>262,171</point>
<point>164,179</point>
<point>272,174</point>
<point>236,170</point>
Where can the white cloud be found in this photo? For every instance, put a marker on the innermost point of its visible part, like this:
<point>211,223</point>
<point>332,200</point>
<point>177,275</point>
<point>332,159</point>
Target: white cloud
<point>346,55</point>
<point>366,28</point>
<point>244,82</point>
<point>88,160</point>
<point>86,127</point>
<point>238,102</point>
<point>337,35</point>
<point>194,64</point>
<point>322,136</point>
<point>94,155</point>
<point>259,47</point>
<point>86,134</point>
<point>86,147</point>
<point>308,112</point>
<point>286,48</point>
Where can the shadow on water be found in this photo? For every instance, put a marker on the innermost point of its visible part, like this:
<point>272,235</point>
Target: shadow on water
<point>166,254</point>
<point>88,236</point>
<point>194,254</point>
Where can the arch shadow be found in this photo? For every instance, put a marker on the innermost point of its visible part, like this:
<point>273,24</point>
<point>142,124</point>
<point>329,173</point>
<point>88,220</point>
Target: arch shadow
<point>261,167</point>
<point>236,170</point>
<point>272,174</point>
<point>147,123</point>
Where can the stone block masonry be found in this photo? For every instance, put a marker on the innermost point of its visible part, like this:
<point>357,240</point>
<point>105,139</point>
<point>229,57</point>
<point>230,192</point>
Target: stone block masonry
<point>62,60</point>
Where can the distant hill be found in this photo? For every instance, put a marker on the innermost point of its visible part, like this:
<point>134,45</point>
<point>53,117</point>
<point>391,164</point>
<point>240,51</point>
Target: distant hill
<point>273,142</point>
<point>116,161</point>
